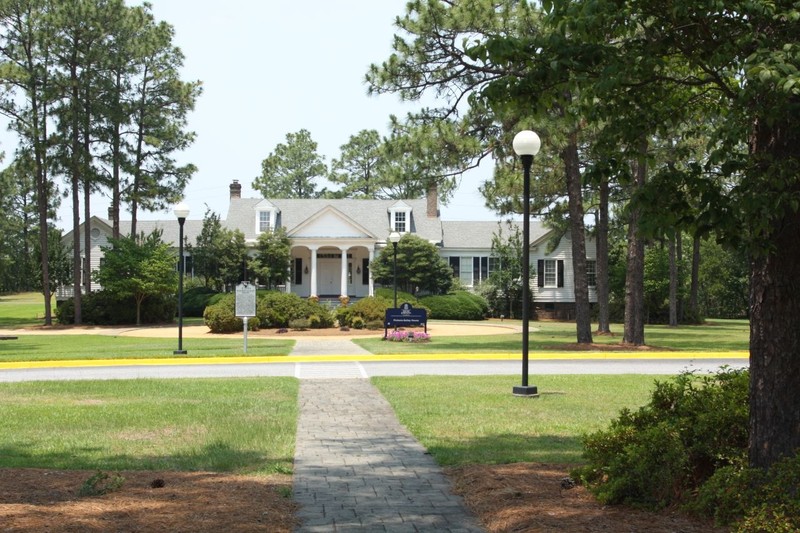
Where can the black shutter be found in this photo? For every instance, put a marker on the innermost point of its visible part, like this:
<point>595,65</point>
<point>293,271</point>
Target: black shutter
<point>540,272</point>
<point>560,273</point>
<point>298,271</point>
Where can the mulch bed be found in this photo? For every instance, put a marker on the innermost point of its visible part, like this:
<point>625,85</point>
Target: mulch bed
<point>523,497</point>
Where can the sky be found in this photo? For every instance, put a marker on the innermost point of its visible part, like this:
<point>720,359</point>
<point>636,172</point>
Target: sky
<point>273,67</point>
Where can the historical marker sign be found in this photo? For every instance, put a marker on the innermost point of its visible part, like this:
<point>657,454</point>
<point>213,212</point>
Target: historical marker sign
<point>245,300</point>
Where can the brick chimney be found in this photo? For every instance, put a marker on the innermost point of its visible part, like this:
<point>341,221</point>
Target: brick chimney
<point>432,197</point>
<point>236,189</point>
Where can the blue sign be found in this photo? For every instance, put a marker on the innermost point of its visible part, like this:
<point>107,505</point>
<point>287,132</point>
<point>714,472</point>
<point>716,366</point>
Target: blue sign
<point>405,316</point>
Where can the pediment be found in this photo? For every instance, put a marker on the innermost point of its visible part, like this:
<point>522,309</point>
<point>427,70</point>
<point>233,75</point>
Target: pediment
<point>329,223</point>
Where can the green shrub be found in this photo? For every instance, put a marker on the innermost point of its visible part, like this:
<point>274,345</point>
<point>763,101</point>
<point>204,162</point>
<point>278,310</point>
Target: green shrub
<point>221,317</point>
<point>104,309</point>
<point>660,454</point>
<point>300,324</point>
<point>357,322</point>
<point>755,500</point>
<point>460,305</point>
<point>196,299</point>
<point>101,483</point>
<point>388,295</point>
<point>368,309</point>
<point>277,309</point>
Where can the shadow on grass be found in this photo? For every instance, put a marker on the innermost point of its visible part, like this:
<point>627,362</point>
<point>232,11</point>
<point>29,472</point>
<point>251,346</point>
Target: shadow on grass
<point>213,457</point>
<point>508,448</point>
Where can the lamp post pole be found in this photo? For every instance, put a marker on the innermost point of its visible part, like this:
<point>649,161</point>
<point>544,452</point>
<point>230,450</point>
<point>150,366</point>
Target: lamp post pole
<point>181,212</point>
<point>526,145</point>
<point>394,238</point>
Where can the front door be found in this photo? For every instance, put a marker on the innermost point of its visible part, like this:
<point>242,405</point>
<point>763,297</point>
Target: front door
<point>329,276</point>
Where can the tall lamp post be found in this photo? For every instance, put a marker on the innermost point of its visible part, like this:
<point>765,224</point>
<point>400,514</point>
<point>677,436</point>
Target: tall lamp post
<point>526,145</point>
<point>394,238</point>
<point>181,212</point>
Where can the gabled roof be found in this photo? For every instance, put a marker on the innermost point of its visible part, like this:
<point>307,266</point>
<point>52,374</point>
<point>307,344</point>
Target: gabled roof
<point>330,223</point>
<point>371,215</point>
<point>479,234</point>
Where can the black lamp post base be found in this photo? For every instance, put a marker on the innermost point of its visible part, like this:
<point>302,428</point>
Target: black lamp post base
<point>529,391</point>
<point>184,352</point>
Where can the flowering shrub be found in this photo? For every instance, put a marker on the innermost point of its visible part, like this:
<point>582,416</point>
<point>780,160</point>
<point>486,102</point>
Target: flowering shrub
<point>408,336</point>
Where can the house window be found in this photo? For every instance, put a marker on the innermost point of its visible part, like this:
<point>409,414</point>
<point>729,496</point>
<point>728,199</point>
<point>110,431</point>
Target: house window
<point>264,221</point>
<point>400,221</point>
<point>591,272</point>
<point>480,269</point>
<point>365,271</point>
<point>550,273</point>
<point>455,264</point>
<point>465,274</point>
<point>494,265</point>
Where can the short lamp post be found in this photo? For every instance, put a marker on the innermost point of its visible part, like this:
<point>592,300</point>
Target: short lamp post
<point>394,238</point>
<point>181,212</point>
<point>526,145</point>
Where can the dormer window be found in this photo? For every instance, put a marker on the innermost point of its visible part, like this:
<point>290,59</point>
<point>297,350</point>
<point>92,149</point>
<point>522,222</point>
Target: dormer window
<point>400,217</point>
<point>265,220</point>
<point>400,221</point>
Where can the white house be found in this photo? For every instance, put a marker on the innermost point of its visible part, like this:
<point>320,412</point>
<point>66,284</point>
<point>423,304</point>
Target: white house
<point>334,241</point>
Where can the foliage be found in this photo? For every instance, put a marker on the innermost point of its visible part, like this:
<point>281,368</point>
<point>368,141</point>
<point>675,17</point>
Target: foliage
<point>752,499</point>
<point>724,281</point>
<point>360,169</point>
<point>273,258</point>
<point>196,299</point>
<point>58,261</point>
<point>660,454</point>
<point>503,288</point>
<point>138,268</point>
<point>292,169</point>
<point>460,305</point>
<point>101,483</point>
<point>273,310</point>
<point>108,309</point>
<point>220,317</point>
<point>19,250</point>
<point>420,268</point>
<point>277,309</point>
<point>364,311</point>
<point>219,253</point>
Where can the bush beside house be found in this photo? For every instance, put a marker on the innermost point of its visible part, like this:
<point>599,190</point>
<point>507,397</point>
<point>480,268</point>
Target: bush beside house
<point>273,310</point>
<point>104,308</point>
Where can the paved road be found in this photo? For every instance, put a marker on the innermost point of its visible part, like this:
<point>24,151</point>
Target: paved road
<point>365,367</point>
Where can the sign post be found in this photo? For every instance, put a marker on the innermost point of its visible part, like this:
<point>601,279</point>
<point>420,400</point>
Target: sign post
<point>245,305</point>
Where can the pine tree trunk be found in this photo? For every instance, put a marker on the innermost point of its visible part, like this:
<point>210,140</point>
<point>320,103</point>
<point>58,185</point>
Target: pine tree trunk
<point>695,284</point>
<point>673,282</point>
<point>583,311</point>
<point>601,270</point>
<point>634,280</point>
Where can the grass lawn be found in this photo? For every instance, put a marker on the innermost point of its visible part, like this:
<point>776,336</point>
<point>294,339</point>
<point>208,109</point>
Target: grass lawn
<point>716,335</point>
<point>20,310</point>
<point>69,347</point>
<point>248,425</point>
<point>476,420</point>
<point>223,425</point>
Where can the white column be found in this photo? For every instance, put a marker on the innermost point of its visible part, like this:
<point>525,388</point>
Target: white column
<point>343,284</point>
<point>313,270</point>
<point>371,283</point>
